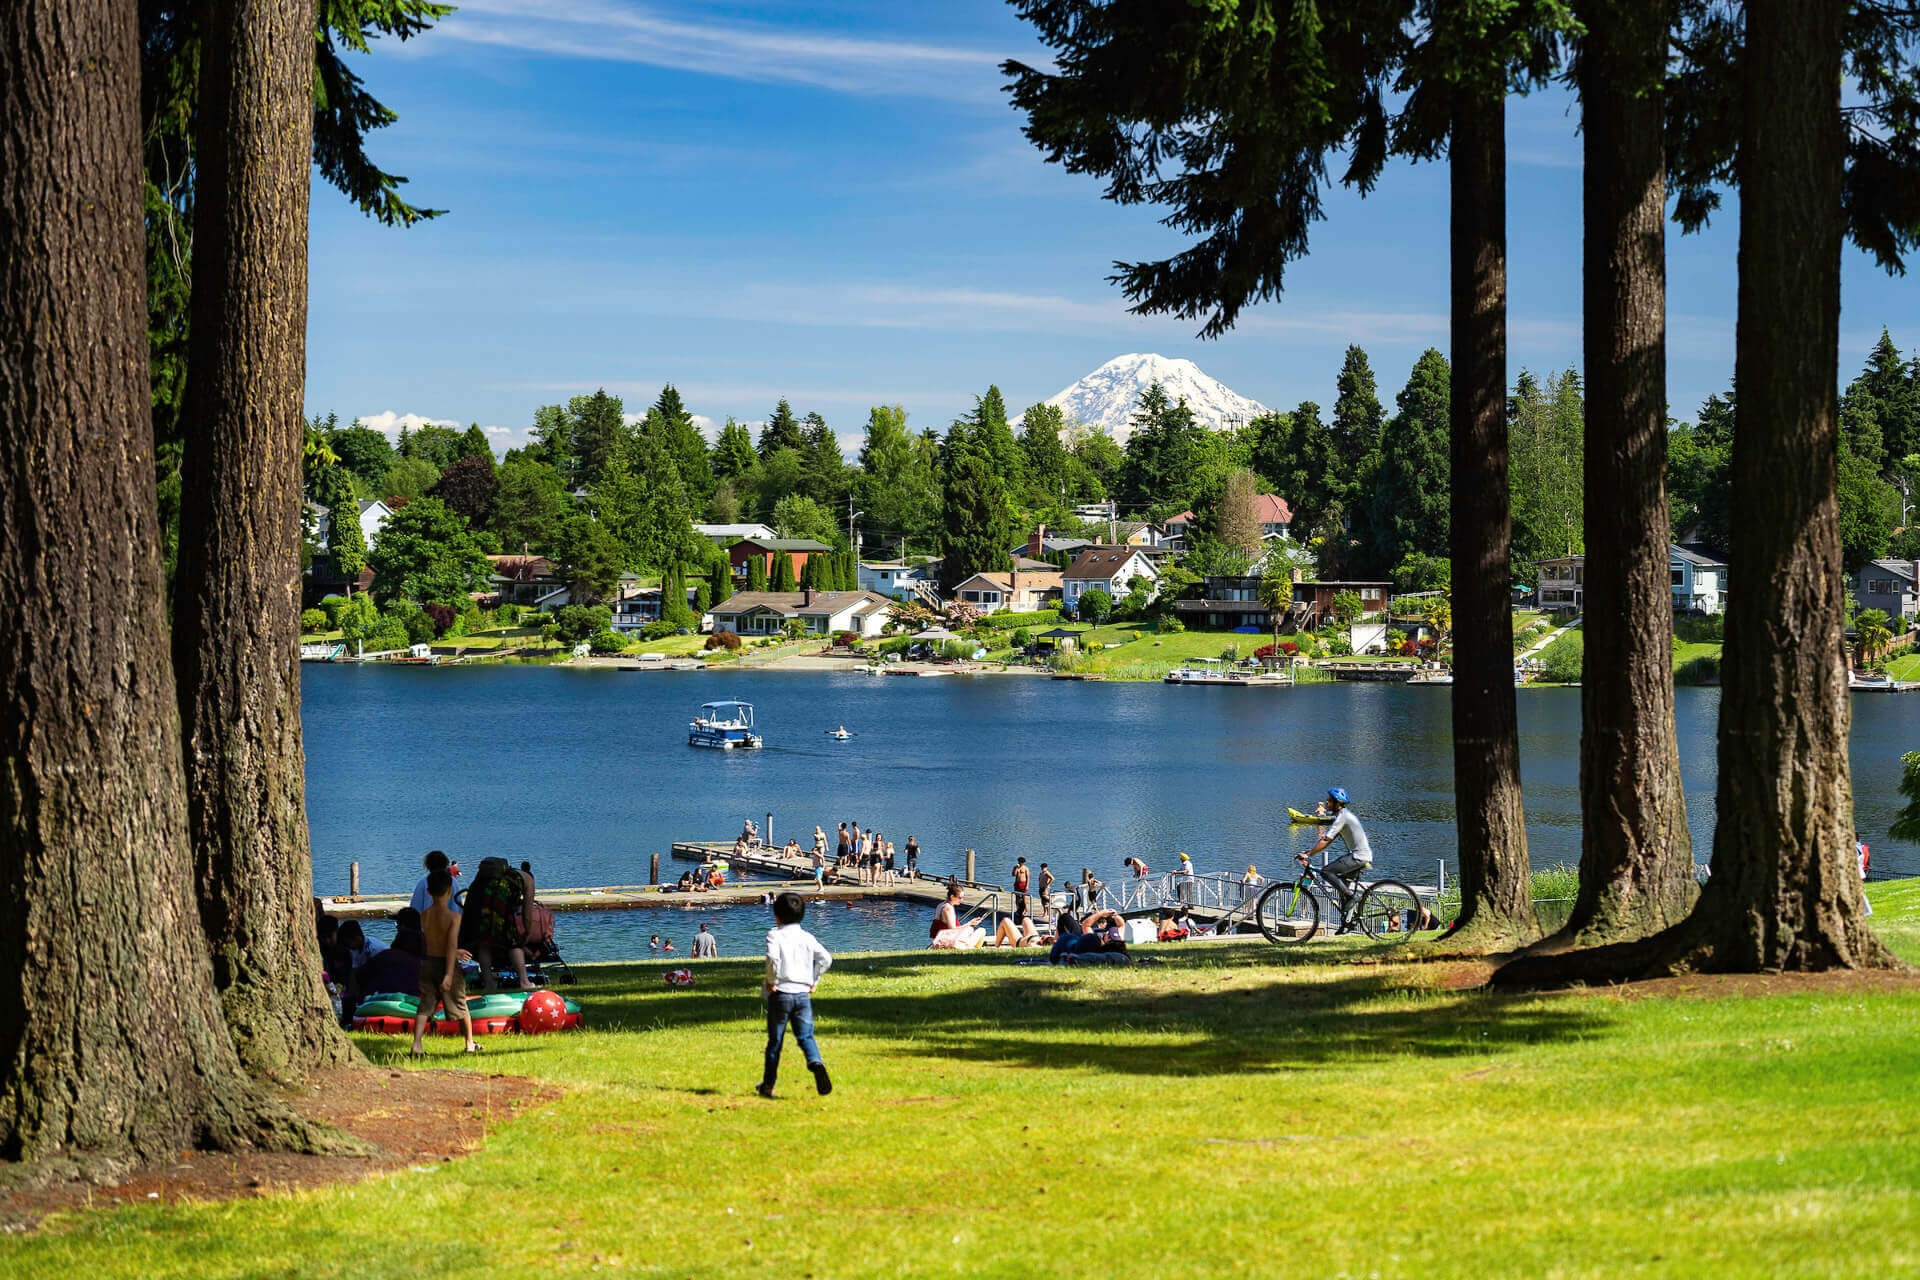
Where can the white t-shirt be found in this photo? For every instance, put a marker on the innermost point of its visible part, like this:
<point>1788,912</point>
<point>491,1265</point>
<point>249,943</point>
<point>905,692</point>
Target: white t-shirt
<point>1348,828</point>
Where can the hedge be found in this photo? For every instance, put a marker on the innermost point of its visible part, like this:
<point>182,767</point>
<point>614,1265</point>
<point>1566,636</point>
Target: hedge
<point>1007,621</point>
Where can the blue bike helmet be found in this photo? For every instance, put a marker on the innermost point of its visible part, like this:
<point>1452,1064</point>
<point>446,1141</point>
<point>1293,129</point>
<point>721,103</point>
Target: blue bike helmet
<point>1338,793</point>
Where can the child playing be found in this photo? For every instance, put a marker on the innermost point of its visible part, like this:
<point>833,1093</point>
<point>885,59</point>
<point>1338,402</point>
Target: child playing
<point>440,978</point>
<point>795,964</point>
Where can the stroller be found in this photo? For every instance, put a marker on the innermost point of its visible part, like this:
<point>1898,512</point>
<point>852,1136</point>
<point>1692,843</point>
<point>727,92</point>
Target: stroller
<point>544,961</point>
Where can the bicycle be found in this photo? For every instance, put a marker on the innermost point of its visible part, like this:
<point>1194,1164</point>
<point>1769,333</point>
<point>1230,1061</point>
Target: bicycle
<point>1384,911</point>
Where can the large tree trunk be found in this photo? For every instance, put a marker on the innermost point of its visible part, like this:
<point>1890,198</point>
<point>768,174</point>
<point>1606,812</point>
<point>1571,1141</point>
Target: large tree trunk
<point>1496,906</point>
<point>1636,857</point>
<point>111,1040</point>
<point>236,615</point>
<point>1785,890</point>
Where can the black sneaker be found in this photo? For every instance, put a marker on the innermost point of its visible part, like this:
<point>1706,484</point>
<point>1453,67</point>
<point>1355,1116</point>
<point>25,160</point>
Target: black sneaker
<point>763,1089</point>
<point>820,1079</point>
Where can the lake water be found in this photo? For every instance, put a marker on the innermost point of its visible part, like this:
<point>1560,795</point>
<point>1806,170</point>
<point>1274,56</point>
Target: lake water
<point>585,772</point>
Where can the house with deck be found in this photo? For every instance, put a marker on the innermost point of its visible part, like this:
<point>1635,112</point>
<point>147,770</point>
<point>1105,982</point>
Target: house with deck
<point>768,551</point>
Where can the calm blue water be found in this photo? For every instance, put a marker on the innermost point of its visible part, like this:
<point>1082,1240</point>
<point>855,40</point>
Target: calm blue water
<point>586,772</point>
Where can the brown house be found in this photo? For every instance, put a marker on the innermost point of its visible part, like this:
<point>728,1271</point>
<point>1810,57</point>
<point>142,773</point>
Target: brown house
<point>767,550</point>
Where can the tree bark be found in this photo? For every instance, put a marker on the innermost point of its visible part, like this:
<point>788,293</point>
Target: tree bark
<point>1785,890</point>
<point>1636,856</point>
<point>1496,905</point>
<point>112,1048</point>
<point>236,615</point>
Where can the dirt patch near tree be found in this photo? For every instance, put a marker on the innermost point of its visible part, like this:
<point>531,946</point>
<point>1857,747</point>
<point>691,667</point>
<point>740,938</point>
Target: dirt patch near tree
<point>414,1117</point>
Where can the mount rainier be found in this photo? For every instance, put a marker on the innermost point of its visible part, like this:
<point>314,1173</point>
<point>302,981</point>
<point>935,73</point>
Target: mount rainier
<point>1105,398</point>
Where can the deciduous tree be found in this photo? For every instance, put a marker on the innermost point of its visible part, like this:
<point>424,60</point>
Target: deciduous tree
<point>426,554</point>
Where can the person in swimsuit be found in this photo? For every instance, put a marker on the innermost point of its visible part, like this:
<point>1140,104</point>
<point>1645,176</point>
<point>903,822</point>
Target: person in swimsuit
<point>441,982</point>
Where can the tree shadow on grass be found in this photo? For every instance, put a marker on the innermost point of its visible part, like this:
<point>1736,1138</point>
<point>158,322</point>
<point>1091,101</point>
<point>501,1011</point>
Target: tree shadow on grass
<point>1255,1010</point>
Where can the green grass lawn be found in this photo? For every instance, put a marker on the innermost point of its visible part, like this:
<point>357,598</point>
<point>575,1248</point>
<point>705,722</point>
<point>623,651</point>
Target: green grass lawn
<point>1685,653</point>
<point>1907,668</point>
<point>1238,1110</point>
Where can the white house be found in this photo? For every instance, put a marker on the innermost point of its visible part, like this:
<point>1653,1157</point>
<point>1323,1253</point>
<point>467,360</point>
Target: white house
<point>892,578</point>
<point>1699,581</point>
<point>374,515</point>
<point>725,535</point>
<point>1107,569</point>
<point>766,613</point>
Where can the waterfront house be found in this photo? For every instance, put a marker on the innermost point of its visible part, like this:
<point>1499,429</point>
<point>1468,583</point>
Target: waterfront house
<point>324,579</point>
<point>766,613</point>
<point>768,550</point>
<point>1699,581</point>
<point>1108,569</point>
<point>1312,606</point>
<point>1021,590</point>
<point>725,535</point>
<point>1891,586</point>
<point>635,606</point>
<point>893,578</point>
<point>1563,584</point>
<point>1227,603</point>
<point>531,581</point>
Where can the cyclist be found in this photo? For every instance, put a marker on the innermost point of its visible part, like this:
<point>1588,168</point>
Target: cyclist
<point>1343,870</point>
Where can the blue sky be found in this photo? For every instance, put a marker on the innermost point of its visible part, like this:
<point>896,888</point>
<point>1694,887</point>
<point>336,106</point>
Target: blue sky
<point>834,204</point>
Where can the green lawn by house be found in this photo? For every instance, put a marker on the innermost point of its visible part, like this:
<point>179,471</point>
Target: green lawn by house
<point>1907,668</point>
<point>1236,1110</point>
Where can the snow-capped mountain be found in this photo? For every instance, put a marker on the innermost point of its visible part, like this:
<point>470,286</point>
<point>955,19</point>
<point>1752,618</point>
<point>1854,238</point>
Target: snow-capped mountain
<point>1106,397</point>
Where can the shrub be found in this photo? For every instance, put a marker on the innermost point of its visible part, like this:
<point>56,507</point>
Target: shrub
<point>1340,646</point>
<point>1170,626</point>
<point>1021,638</point>
<point>1004,621</point>
<point>1230,654</point>
<point>331,606</point>
<point>723,640</point>
<point>1096,606</point>
<point>312,620</point>
<point>845,639</point>
<point>1563,661</point>
<point>1266,651</point>
<point>1701,670</point>
<point>441,616</point>
<point>957,650</point>
<point>1708,630</point>
<point>658,629</point>
<point>1289,648</point>
<point>390,634</point>
<point>606,640</point>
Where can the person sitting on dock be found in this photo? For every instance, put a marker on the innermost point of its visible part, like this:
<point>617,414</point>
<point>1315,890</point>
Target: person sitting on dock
<point>946,932</point>
<point>1167,928</point>
<point>791,849</point>
<point>1343,870</point>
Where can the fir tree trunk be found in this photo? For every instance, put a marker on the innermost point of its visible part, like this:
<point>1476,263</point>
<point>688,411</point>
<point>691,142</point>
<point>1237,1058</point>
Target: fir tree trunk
<point>1636,857</point>
<point>1785,889</point>
<point>1496,906</point>
<point>112,1047</point>
<point>236,616</point>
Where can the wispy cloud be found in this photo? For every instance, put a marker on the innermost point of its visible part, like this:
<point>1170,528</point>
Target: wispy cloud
<point>610,31</point>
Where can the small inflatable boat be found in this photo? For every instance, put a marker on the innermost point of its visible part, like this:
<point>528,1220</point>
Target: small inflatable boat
<point>1294,815</point>
<point>494,1013</point>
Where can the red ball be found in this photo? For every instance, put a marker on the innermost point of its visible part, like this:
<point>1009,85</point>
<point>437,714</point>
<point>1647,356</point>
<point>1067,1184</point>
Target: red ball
<point>543,1011</point>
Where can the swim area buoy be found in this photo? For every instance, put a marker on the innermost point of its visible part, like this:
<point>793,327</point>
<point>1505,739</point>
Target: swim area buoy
<point>495,1013</point>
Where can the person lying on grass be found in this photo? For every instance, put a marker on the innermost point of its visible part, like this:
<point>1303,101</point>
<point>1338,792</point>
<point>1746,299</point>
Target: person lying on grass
<point>1099,932</point>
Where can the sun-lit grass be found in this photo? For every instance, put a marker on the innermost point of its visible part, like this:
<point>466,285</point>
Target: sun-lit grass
<point>1906,668</point>
<point>1238,1109</point>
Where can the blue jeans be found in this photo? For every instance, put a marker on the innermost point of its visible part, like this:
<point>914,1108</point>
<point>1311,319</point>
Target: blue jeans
<point>1073,944</point>
<point>785,1007</point>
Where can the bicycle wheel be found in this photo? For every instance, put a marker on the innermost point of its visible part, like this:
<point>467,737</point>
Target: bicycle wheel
<point>1389,912</point>
<point>1291,913</point>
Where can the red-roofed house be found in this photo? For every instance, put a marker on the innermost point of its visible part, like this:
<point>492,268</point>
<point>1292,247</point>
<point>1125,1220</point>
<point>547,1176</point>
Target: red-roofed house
<point>1271,511</point>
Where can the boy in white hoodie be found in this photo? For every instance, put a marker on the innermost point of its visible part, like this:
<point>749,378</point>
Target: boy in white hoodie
<point>795,964</point>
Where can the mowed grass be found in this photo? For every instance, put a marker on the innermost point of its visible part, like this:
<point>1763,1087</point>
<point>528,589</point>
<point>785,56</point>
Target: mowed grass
<point>1236,1110</point>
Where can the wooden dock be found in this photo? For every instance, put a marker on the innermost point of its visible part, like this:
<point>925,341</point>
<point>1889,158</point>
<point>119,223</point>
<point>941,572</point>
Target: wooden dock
<point>1386,672</point>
